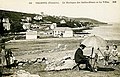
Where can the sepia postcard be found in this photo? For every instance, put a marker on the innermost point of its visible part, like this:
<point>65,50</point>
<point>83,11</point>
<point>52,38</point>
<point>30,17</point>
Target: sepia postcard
<point>59,38</point>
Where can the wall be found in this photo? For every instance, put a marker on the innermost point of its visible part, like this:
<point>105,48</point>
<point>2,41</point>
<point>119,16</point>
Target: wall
<point>68,34</point>
<point>31,34</point>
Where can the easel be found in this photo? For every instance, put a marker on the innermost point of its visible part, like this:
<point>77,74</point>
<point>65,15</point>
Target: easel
<point>96,57</point>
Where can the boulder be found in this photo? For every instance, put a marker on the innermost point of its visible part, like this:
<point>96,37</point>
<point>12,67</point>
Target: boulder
<point>61,65</point>
<point>22,73</point>
<point>33,75</point>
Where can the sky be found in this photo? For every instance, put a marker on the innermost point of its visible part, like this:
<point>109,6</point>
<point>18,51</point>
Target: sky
<point>105,12</point>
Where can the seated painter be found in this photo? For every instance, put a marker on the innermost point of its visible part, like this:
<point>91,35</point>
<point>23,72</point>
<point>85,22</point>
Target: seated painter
<point>82,59</point>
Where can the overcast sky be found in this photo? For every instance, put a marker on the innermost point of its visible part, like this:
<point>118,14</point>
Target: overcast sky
<point>106,12</point>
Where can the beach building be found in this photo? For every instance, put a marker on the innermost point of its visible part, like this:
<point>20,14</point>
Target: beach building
<point>31,34</point>
<point>63,32</point>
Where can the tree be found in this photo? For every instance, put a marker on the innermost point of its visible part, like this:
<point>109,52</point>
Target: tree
<point>16,27</point>
<point>1,24</point>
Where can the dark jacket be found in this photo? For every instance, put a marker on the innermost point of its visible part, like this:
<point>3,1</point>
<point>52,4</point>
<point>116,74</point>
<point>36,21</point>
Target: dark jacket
<point>79,55</point>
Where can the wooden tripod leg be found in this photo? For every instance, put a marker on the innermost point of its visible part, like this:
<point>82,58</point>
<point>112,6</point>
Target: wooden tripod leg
<point>92,54</point>
<point>76,66</point>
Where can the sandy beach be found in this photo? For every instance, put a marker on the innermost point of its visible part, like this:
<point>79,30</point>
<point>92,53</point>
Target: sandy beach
<point>32,49</point>
<point>23,51</point>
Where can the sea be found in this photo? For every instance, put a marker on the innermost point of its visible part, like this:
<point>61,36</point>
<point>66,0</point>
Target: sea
<point>106,31</point>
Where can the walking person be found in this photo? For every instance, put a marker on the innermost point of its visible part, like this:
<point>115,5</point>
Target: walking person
<point>3,55</point>
<point>2,58</point>
<point>9,57</point>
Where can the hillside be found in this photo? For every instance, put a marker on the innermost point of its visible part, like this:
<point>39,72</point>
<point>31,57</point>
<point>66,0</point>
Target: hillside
<point>88,20</point>
<point>17,16</point>
<point>14,16</point>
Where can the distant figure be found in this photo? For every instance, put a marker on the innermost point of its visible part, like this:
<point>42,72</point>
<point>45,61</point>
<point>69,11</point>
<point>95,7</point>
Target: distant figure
<point>2,55</point>
<point>59,45</point>
<point>9,57</point>
<point>81,59</point>
<point>61,35</point>
<point>6,56</point>
<point>106,55</point>
<point>114,54</point>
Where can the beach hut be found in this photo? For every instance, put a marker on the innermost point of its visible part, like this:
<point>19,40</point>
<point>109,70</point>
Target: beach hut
<point>31,34</point>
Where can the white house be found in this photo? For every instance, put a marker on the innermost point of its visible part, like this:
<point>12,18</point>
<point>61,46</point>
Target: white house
<point>6,23</point>
<point>34,26</point>
<point>26,19</point>
<point>63,32</point>
<point>50,26</point>
<point>38,17</point>
<point>62,22</point>
<point>31,34</point>
<point>26,25</point>
<point>53,26</point>
<point>6,26</point>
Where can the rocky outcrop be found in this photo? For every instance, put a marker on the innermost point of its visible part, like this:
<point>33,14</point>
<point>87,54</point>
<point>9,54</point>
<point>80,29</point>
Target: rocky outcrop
<point>23,73</point>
